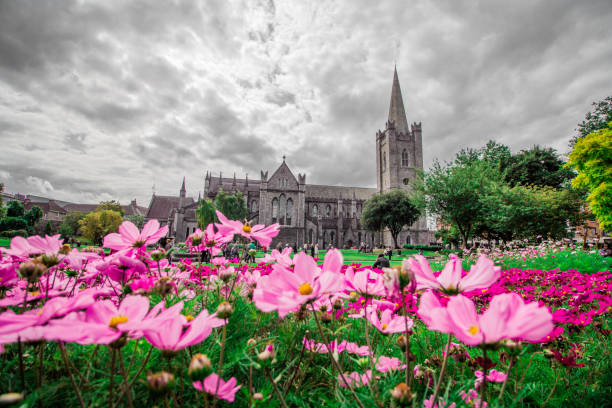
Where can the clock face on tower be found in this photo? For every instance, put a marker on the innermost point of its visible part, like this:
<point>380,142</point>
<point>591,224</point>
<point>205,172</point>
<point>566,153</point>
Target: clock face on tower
<point>406,180</point>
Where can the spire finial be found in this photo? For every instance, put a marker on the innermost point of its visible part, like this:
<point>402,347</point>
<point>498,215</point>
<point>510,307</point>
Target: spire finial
<point>397,114</point>
<point>284,157</point>
<point>183,191</point>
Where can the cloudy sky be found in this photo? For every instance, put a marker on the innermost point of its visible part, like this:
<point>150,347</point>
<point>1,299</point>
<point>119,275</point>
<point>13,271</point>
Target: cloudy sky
<point>106,99</point>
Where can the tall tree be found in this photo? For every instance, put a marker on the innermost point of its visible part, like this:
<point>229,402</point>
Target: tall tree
<point>2,209</point>
<point>95,225</point>
<point>233,206</point>
<point>595,120</point>
<point>393,210</point>
<point>110,205</point>
<point>33,215</point>
<point>537,167</point>
<point>70,224</point>
<point>592,158</point>
<point>206,213</point>
<point>136,219</point>
<point>15,209</point>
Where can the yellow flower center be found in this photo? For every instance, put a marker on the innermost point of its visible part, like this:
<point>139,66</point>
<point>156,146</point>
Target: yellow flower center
<point>189,317</point>
<point>384,326</point>
<point>138,244</point>
<point>34,293</point>
<point>115,320</point>
<point>246,228</point>
<point>473,330</point>
<point>305,289</point>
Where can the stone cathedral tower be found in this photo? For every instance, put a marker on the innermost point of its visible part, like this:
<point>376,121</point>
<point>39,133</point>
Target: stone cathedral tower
<point>399,148</point>
<point>399,153</point>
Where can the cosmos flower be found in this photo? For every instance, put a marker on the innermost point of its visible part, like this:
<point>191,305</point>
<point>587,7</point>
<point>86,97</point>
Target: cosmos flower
<point>214,385</point>
<point>259,232</point>
<point>129,237</point>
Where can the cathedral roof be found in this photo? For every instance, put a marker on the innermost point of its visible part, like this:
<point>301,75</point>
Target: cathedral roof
<point>335,192</point>
<point>161,206</point>
<point>397,114</point>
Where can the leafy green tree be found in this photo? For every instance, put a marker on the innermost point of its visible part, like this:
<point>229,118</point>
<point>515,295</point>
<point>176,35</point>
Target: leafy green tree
<point>393,210</point>
<point>33,215</point>
<point>2,209</point>
<point>592,158</point>
<point>596,120</point>
<point>537,167</point>
<point>233,206</point>
<point>48,228</point>
<point>15,209</point>
<point>454,193</point>
<point>206,213</point>
<point>110,205</point>
<point>449,236</point>
<point>95,225</point>
<point>70,224</point>
<point>136,219</point>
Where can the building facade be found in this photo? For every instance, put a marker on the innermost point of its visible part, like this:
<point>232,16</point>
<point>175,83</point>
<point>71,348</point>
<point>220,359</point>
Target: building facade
<point>311,213</point>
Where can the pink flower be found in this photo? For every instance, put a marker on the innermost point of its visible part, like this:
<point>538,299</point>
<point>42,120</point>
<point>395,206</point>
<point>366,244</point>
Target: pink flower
<point>366,282</point>
<point>493,376</point>
<point>429,403</point>
<point>283,258</point>
<point>129,236</point>
<point>389,322</point>
<point>284,291</point>
<point>506,318</point>
<point>34,245</point>
<point>433,314</point>
<point>481,275</point>
<point>355,379</point>
<point>259,232</point>
<point>214,385</point>
<point>385,364</point>
<point>121,268</point>
<point>472,398</point>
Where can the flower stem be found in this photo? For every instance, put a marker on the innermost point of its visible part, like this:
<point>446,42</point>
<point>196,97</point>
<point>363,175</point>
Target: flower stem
<point>125,374</point>
<point>501,392</point>
<point>297,367</point>
<point>333,360</point>
<point>483,392</point>
<point>21,370</point>
<point>111,385</point>
<point>220,370</point>
<point>442,370</point>
<point>128,387</point>
<point>76,389</point>
<point>407,349</point>
<point>276,390</point>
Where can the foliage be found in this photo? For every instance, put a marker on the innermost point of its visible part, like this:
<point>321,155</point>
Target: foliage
<point>596,120</point>
<point>454,193</point>
<point>136,219</point>
<point>97,224</point>
<point>592,158</point>
<point>110,205</point>
<point>537,167</point>
<point>15,209</point>
<point>33,215</point>
<point>206,213</point>
<point>2,209</point>
<point>449,236</point>
<point>15,233</point>
<point>70,224</point>
<point>233,206</point>
<point>393,210</point>
<point>13,223</point>
<point>48,228</point>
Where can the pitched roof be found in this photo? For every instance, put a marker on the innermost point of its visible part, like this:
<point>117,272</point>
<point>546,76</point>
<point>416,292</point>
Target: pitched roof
<point>334,192</point>
<point>44,206</point>
<point>161,206</point>
<point>397,114</point>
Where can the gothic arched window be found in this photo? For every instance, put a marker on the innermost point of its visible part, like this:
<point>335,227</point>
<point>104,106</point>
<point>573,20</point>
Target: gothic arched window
<point>384,160</point>
<point>254,206</point>
<point>328,210</point>
<point>404,158</point>
<point>274,209</point>
<point>315,210</point>
<point>282,209</point>
<point>289,210</point>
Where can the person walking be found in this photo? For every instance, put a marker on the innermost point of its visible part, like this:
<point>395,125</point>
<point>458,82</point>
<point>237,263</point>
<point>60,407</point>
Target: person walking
<point>381,262</point>
<point>312,250</point>
<point>316,250</point>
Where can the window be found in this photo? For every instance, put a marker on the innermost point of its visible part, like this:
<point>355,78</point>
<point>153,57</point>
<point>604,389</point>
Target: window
<point>328,210</point>
<point>404,158</point>
<point>289,210</point>
<point>282,209</point>
<point>254,206</point>
<point>275,210</point>
<point>315,210</point>
<point>331,237</point>
<point>384,160</point>
<point>359,237</point>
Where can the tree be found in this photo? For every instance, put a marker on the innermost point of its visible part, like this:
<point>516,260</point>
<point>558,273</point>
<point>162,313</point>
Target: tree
<point>2,209</point>
<point>537,167</point>
<point>110,205</point>
<point>33,215</point>
<point>15,209</point>
<point>233,206</point>
<point>206,213</point>
<point>454,193</point>
<point>596,120</point>
<point>97,224</point>
<point>592,158</point>
<point>393,210</point>
<point>136,219</point>
<point>70,224</point>
<point>48,228</point>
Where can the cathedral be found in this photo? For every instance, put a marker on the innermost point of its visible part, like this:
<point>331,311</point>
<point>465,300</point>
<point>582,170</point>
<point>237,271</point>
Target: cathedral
<point>312,213</point>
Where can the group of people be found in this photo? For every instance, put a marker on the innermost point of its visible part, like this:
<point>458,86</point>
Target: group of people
<point>311,249</point>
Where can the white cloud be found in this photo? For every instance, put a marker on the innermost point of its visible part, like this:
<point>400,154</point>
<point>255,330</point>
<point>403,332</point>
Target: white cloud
<point>40,185</point>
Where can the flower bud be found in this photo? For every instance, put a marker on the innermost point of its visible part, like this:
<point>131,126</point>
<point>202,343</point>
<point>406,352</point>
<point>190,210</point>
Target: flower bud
<point>224,310</point>
<point>402,343</point>
<point>326,318</point>
<point>353,296</point>
<point>10,398</point>
<point>364,362</point>
<point>548,353</point>
<point>163,286</point>
<point>267,355</point>
<point>258,396</point>
<point>251,343</point>
<point>401,394</point>
<point>159,383</point>
<point>65,249</point>
<point>200,367</point>
<point>338,304</point>
<point>226,274</point>
<point>32,270</point>
<point>49,260</point>
<point>196,239</point>
<point>158,255</point>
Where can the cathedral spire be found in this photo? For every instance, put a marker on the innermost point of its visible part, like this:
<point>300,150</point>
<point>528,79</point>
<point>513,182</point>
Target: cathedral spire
<point>397,115</point>
<point>183,191</point>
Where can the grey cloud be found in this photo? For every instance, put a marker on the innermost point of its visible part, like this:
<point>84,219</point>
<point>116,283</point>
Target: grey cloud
<point>76,141</point>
